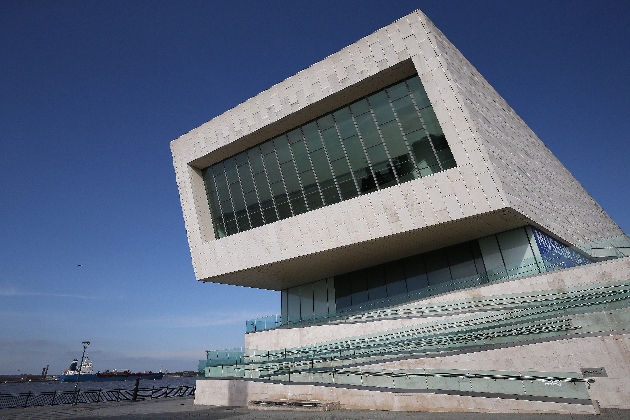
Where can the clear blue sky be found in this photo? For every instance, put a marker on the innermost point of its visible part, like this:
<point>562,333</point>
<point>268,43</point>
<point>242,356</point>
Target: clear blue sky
<point>91,94</point>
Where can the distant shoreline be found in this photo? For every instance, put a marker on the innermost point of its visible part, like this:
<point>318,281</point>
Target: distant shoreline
<point>52,378</point>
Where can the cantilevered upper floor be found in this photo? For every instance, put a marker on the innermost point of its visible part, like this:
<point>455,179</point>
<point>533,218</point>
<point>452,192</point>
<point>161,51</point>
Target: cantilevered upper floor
<point>391,147</point>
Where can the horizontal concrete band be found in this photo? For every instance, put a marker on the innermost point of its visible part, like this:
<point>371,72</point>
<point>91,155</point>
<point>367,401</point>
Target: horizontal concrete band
<point>424,391</point>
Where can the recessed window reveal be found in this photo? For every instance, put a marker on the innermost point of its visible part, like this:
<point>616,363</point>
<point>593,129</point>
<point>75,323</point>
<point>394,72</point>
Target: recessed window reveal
<point>384,139</point>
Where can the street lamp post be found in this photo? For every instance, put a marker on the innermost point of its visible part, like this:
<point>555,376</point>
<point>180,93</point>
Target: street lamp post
<point>76,386</point>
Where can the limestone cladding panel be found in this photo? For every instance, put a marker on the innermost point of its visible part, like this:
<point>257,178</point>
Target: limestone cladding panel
<point>484,134</point>
<point>383,213</point>
<point>534,182</point>
<point>222,393</point>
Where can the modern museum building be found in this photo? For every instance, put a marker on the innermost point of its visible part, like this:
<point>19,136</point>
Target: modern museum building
<point>431,252</point>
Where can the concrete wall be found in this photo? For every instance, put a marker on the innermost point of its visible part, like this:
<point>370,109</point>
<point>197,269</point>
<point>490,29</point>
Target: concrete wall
<point>209,392</point>
<point>222,393</point>
<point>611,352</point>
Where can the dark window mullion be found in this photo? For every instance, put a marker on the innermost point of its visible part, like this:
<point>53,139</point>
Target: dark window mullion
<point>297,172</point>
<point>239,188</point>
<point>273,201</point>
<point>284,184</point>
<point>221,212</point>
<point>308,153</point>
<point>334,177</point>
<point>380,134</point>
<point>221,209</point>
<point>402,132</point>
<point>256,191</point>
<point>424,127</point>
<point>367,157</point>
<point>214,191</point>
<point>240,185</point>
<point>345,154</point>
<point>227,180</point>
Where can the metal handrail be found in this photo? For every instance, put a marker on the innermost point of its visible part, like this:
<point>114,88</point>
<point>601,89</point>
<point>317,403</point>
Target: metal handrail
<point>30,399</point>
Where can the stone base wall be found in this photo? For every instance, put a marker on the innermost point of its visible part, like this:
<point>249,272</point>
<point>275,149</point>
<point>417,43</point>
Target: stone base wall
<point>611,352</point>
<point>608,348</point>
<point>214,392</point>
<point>223,393</point>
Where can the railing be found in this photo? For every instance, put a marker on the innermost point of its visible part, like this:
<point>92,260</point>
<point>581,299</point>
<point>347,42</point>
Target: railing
<point>559,259</point>
<point>472,323</point>
<point>533,384</point>
<point>509,318</point>
<point>29,399</point>
<point>565,386</point>
<point>265,323</point>
<point>485,321</point>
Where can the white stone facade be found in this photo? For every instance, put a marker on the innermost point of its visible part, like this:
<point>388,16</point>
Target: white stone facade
<point>238,393</point>
<point>505,177</point>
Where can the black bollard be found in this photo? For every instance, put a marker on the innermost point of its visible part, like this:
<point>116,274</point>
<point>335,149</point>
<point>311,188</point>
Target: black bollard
<point>135,390</point>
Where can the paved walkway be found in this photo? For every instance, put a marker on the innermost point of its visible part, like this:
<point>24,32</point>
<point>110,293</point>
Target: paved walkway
<point>184,409</point>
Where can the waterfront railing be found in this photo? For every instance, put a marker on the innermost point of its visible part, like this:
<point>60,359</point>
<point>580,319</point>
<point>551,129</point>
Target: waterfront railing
<point>30,399</point>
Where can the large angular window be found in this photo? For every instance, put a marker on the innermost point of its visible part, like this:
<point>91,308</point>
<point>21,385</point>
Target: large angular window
<point>384,139</point>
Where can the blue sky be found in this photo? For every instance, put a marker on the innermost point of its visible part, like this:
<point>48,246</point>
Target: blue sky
<point>91,94</point>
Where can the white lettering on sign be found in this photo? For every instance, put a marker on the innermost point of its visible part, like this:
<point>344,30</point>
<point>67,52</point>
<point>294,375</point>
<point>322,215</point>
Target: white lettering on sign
<point>553,382</point>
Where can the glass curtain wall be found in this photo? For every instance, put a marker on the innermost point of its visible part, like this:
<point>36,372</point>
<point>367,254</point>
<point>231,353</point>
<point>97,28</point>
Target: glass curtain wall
<point>310,301</point>
<point>507,255</point>
<point>403,278</point>
<point>384,139</point>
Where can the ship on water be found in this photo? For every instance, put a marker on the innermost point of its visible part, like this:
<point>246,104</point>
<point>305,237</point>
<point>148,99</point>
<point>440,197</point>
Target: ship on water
<point>85,373</point>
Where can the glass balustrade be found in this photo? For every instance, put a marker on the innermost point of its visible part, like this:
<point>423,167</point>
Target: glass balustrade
<point>514,254</point>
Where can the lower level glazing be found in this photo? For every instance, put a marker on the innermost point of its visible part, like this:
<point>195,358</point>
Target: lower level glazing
<point>515,253</point>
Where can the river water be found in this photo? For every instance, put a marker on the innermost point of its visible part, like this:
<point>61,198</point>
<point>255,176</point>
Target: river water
<point>50,386</point>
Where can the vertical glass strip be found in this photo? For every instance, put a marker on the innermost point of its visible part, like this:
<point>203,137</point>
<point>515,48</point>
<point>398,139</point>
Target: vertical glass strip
<point>306,301</point>
<point>330,287</point>
<point>284,312</point>
<point>320,299</point>
<point>215,210</point>
<point>359,165</point>
<point>416,273</point>
<point>324,177</point>
<point>395,276</point>
<point>376,284</point>
<point>348,185</point>
<point>359,287</point>
<point>293,304</point>
<point>383,168</point>
<point>343,291</point>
